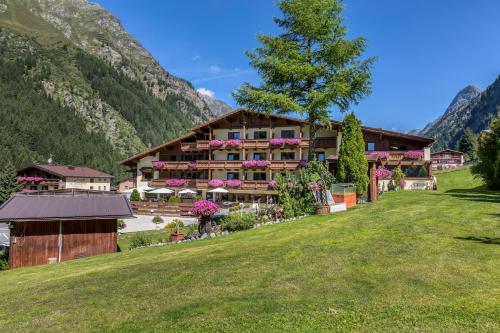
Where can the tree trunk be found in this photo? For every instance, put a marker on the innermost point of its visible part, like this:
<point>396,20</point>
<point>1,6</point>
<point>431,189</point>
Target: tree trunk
<point>312,138</point>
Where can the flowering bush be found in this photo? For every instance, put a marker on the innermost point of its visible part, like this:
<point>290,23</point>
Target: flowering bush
<point>175,182</point>
<point>271,184</point>
<point>159,164</point>
<point>205,208</point>
<point>277,142</point>
<point>292,142</point>
<point>216,143</point>
<point>192,165</point>
<point>303,163</point>
<point>215,182</point>
<point>233,183</point>
<point>256,163</point>
<point>315,187</point>
<point>233,143</point>
<point>383,173</point>
<point>414,154</point>
<point>29,179</point>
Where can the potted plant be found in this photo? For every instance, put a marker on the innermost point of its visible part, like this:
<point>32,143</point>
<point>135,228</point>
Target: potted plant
<point>157,220</point>
<point>177,235</point>
<point>204,209</point>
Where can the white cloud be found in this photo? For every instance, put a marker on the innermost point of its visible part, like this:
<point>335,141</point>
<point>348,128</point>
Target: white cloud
<point>196,57</point>
<point>206,92</point>
<point>214,69</point>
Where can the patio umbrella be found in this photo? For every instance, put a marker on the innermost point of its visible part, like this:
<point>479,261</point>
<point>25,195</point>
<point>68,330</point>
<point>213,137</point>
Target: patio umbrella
<point>187,191</point>
<point>219,190</point>
<point>145,188</point>
<point>162,191</point>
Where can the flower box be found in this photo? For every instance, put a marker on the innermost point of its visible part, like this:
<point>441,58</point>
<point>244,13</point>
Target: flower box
<point>233,183</point>
<point>159,164</point>
<point>233,143</point>
<point>277,142</point>
<point>383,155</point>
<point>256,163</point>
<point>216,143</point>
<point>192,165</point>
<point>215,182</point>
<point>414,154</point>
<point>30,179</point>
<point>175,182</point>
<point>292,142</point>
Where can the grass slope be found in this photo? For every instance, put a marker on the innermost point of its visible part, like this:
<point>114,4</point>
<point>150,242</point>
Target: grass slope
<point>418,261</point>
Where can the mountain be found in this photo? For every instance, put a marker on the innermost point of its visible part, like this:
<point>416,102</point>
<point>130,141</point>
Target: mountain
<point>73,60</point>
<point>470,108</point>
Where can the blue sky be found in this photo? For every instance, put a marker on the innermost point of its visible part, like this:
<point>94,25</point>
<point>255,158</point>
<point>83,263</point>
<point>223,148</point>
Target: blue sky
<point>427,49</point>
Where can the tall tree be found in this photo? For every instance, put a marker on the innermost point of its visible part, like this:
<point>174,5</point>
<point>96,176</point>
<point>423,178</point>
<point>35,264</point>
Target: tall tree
<point>468,145</point>
<point>310,67</point>
<point>352,165</point>
<point>8,182</point>
<point>489,155</point>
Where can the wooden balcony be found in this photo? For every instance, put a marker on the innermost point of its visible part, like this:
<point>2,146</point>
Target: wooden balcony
<point>284,165</point>
<point>260,185</point>
<point>189,146</point>
<point>228,165</point>
<point>326,142</point>
<point>251,144</point>
<point>396,157</point>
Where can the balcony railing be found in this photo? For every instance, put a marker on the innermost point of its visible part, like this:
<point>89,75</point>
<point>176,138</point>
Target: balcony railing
<point>392,156</point>
<point>256,144</point>
<point>226,165</point>
<point>203,184</point>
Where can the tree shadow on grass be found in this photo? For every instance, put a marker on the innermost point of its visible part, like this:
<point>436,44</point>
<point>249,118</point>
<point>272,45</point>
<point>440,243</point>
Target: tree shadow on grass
<point>484,240</point>
<point>479,193</point>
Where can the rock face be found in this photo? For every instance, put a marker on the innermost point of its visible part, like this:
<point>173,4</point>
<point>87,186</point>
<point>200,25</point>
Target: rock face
<point>460,114</point>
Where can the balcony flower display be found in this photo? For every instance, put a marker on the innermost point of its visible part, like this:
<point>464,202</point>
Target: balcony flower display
<point>192,165</point>
<point>271,184</point>
<point>383,155</point>
<point>175,182</point>
<point>159,164</point>
<point>277,142</point>
<point>292,142</point>
<point>29,179</point>
<point>216,143</point>
<point>233,183</point>
<point>383,173</point>
<point>215,182</point>
<point>256,163</point>
<point>233,143</point>
<point>414,154</point>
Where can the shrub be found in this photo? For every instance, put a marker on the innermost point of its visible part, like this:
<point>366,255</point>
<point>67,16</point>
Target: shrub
<point>236,222</point>
<point>139,239</point>
<point>176,224</point>
<point>174,199</point>
<point>135,196</point>
<point>157,219</point>
<point>4,260</point>
<point>121,224</point>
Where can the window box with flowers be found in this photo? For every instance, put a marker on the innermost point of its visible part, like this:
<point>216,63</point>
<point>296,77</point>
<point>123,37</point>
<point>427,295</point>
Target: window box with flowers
<point>175,182</point>
<point>215,182</point>
<point>256,164</point>
<point>233,143</point>
<point>159,164</point>
<point>216,143</point>
<point>414,154</point>
<point>192,165</point>
<point>233,183</point>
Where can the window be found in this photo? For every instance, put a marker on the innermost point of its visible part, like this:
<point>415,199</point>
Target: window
<point>370,146</point>
<point>260,135</point>
<point>289,155</point>
<point>233,175</point>
<point>259,176</point>
<point>259,156</point>
<point>91,187</point>
<point>91,180</point>
<point>287,134</point>
<point>233,135</point>
<point>320,155</point>
<point>233,156</point>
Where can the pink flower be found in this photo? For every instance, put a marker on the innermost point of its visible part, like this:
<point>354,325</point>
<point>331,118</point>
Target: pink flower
<point>192,165</point>
<point>233,143</point>
<point>234,183</point>
<point>271,184</point>
<point>303,163</point>
<point>256,163</point>
<point>21,179</point>
<point>292,142</point>
<point>277,142</point>
<point>414,154</point>
<point>315,187</point>
<point>175,182</point>
<point>205,208</point>
<point>159,164</point>
<point>215,182</point>
<point>216,143</point>
<point>383,173</point>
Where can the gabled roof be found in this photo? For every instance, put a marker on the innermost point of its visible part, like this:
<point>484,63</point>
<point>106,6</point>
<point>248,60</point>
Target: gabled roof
<point>68,170</point>
<point>447,150</point>
<point>65,205</point>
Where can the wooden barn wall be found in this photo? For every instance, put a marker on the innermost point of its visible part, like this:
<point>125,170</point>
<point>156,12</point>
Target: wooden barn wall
<point>33,243</point>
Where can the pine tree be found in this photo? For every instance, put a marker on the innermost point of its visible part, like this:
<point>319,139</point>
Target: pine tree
<point>489,155</point>
<point>352,165</point>
<point>135,196</point>
<point>468,145</point>
<point>8,182</point>
<point>310,67</point>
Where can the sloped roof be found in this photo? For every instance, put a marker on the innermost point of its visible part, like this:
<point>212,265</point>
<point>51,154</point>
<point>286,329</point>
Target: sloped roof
<point>68,170</point>
<point>447,150</point>
<point>65,205</point>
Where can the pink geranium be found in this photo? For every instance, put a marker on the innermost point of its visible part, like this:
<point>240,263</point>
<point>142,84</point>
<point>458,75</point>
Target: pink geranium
<point>192,165</point>
<point>271,184</point>
<point>256,163</point>
<point>159,164</point>
<point>233,143</point>
<point>175,182</point>
<point>315,187</point>
<point>234,183</point>
<point>215,182</point>
<point>414,154</point>
<point>277,142</point>
<point>383,173</point>
<point>216,143</point>
<point>292,142</point>
<point>205,208</point>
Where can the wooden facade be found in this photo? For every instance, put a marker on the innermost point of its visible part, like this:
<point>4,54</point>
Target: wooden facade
<point>40,242</point>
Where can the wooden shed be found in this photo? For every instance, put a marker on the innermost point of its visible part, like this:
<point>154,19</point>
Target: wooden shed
<point>53,226</point>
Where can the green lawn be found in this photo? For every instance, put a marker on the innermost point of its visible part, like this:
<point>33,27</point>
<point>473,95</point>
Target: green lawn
<point>414,261</point>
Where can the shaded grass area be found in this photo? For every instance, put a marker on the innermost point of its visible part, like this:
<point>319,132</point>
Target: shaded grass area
<point>410,262</point>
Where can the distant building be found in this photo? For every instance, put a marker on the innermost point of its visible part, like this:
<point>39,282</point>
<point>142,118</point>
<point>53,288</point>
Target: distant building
<point>125,185</point>
<point>38,177</point>
<point>446,159</point>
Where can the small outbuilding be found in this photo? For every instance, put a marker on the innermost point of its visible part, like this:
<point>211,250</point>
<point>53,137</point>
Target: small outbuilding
<point>54,226</point>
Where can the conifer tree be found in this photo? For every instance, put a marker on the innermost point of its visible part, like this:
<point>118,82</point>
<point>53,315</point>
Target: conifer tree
<point>468,145</point>
<point>489,155</point>
<point>310,67</point>
<point>352,165</point>
<point>8,182</point>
